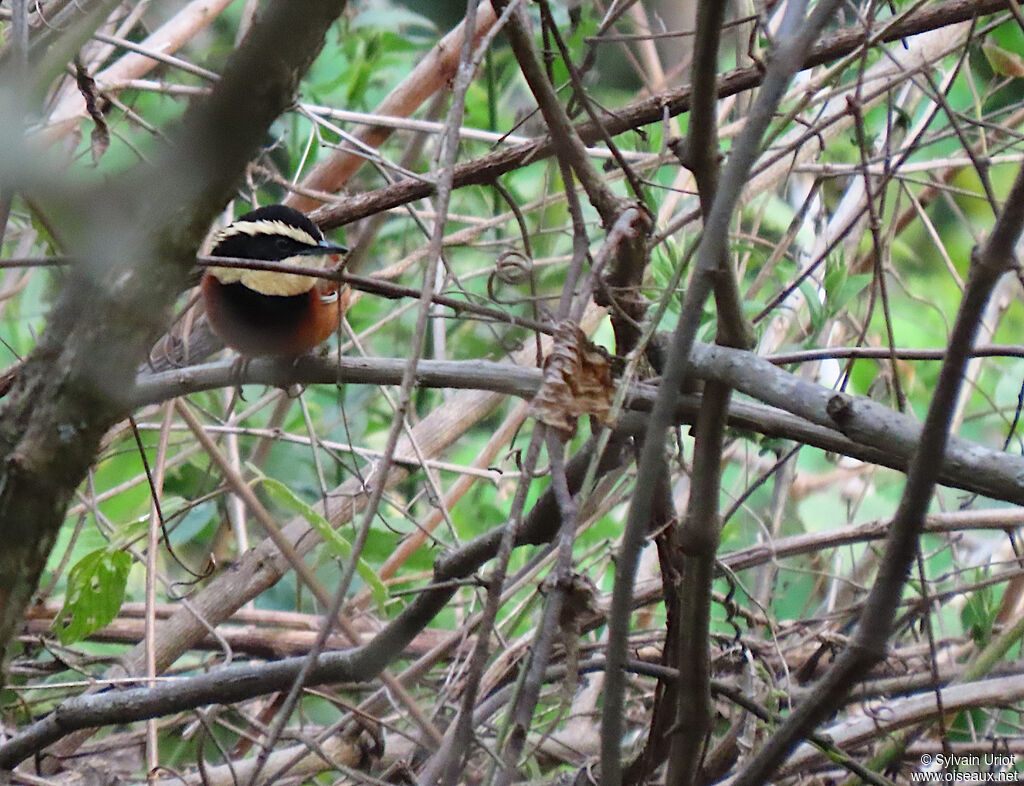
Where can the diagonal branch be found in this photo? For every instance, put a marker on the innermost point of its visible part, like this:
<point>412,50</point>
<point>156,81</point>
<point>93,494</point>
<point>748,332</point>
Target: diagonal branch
<point>653,109</point>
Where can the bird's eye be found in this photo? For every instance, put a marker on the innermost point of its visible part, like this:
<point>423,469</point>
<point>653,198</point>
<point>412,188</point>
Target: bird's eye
<point>283,244</point>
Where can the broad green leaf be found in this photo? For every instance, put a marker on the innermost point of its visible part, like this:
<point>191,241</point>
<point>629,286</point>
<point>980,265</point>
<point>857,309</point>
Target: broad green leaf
<point>341,547</point>
<point>96,586</point>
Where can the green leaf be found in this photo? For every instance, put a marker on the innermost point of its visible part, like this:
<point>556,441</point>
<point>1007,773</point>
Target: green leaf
<point>96,586</point>
<point>286,497</point>
<point>393,18</point>
<point>979,612</point>
<point>815,309</point>
<point>1003,61</point>
<point>847,288</point>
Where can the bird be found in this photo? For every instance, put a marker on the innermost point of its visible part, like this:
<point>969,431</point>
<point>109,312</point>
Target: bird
<point>264,313</point>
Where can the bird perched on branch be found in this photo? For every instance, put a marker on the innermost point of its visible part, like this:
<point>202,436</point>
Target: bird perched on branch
<point>264,312</point>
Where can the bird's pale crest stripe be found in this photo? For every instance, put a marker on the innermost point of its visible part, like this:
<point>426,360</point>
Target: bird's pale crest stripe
<point>265,227</point>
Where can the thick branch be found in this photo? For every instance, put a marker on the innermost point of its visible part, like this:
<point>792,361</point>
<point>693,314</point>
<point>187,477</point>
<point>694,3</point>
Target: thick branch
<point>841,423</point>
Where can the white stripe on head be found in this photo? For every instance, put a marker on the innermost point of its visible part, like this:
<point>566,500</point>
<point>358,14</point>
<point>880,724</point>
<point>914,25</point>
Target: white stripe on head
<point>266,227</point>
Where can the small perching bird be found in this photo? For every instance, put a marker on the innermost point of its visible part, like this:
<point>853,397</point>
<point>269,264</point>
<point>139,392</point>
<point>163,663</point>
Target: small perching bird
<point>263,312</point>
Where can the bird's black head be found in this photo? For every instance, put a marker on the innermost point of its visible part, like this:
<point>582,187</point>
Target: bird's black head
<point>272,232</point>
<point>275,233</point>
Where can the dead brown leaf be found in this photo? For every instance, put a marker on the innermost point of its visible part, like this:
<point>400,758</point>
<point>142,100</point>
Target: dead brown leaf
<point>577,381</point>
<point>100,138</point>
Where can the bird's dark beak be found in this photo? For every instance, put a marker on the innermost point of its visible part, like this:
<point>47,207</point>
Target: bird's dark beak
<point>324,248</point>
